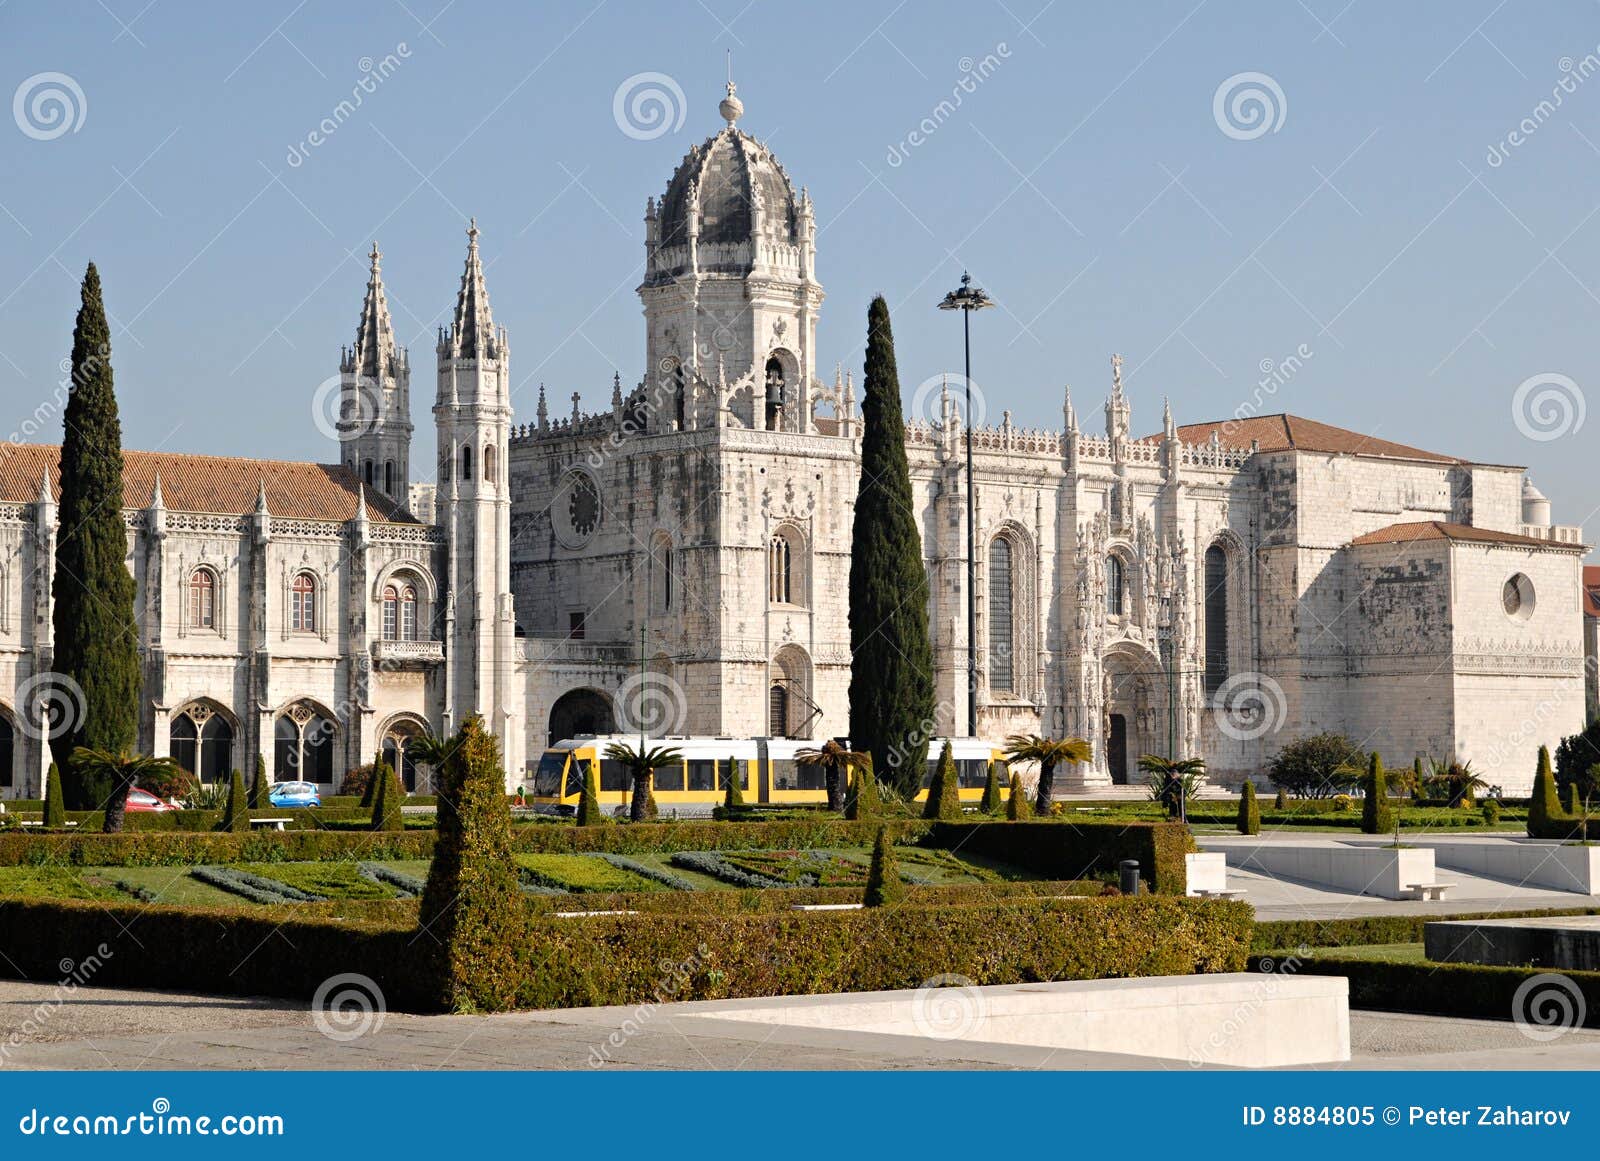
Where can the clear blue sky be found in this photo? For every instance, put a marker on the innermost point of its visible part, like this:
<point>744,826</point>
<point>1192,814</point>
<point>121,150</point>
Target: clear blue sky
<point>1085,182</point>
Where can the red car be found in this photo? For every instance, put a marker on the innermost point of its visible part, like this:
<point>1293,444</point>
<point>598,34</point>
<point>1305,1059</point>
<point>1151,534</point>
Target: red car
<point>144,800</point>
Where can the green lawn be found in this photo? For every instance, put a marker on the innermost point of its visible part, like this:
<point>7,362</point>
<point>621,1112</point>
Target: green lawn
<point>582,873</point>
<point>62,883</point>
<point>1375,952</point>
<point>330,880</point>
<point>174,886</point>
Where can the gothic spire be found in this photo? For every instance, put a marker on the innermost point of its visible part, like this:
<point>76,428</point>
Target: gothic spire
<point>1067,413</point>
<point>472,333</point>
<point>156,500</point>
<point>374,352</point>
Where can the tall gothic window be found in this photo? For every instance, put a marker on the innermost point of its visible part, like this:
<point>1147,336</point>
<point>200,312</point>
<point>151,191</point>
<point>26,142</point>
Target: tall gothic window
<point>776,390</point>
<point>466,462</point>
<point>366,473</point>
<point>1114,585</point>
<point>1216,618</point>
<point>202,599</point>
<point>8,748</point>
<point>780,570</point>
<point>661,579</point>
<point>303,744</point>
<point>400,612</point>
<point>488,463</point>
<point>1001,668</point>
<point>680,398</point>
<point>388,477</point>
<point>303,603</point>
<point>201,741</point>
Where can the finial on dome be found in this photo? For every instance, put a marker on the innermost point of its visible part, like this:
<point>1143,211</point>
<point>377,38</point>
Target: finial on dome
<point>731,107</point>
<point>375,254</point>
<point>472,232</point>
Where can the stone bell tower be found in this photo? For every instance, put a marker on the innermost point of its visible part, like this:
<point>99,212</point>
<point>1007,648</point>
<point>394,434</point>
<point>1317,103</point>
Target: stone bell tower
<point>375,398</point>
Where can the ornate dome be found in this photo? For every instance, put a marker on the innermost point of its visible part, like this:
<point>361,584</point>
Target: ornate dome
<point>730,191</point>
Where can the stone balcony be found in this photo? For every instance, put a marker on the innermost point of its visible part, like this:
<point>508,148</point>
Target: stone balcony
<point>407,654</point>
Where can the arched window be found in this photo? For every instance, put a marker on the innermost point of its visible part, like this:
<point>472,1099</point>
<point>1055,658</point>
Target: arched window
<point>1114,585</point>
<point>1216,595</point>
<point>661,578</point>
<point>466,462</point>
<point>201,741</point>
<point>388,478</point>
<point>396,741</point>
<point>777,391</point>
<point>444,465</point>
<point>780,570</point>
<point>1001,603</point>
<point>488,463</point>
<point>202,599</point>
<point>366,473</point>
<point>303,603</point>
<point>680,398</point>
<point>303,744</point>
<point>400,612</point>
<point>778,711</point>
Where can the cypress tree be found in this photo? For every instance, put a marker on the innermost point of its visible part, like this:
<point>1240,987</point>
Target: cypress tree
<point>369,792</point>
<point>589,813</point>
<point>891,666</point>
<point>1571,804</point>
<point>1281,800</point>
<point>55,810</point>
<point>944,795</point>
<point>1417,776</point>
<point>884,885</point>
<point>96,640</point>
<point>864,802</point>
<point>1018,808</point>
<point>261,788</point>
<point>1249,809</point>
<point>1376,817</point>
<point>992,802</point>
<point>1544,810</point>
<point>387,803</point>
<point>472,906</point>
<point>236,815</point>
<point>733,792</point>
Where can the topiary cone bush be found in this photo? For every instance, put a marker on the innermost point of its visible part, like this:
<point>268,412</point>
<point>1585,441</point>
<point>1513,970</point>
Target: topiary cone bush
<point>260,789</point>
<point>991,803</point>
<point>236,815</point>
<point>1376,817</point>
<point>1491,812</point>
<point>472,914</point>
<point>391,796</point>
<point>55,809</point>
<point>864,801</point>
<point>1249,809</point>
<point>1571,804</point>
<point>944,795</point>
<point>884,885</point>
<point>1280,801</point>
<point>733,793</point>
<point>1018,808</point>
<point>1545,819</point>
<point>589,812</point>
<point>369,792</point>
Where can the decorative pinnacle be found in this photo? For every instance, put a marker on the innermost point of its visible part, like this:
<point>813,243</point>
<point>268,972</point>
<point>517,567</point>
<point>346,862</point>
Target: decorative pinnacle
<point>731,108</point>
<point>155,494</point>
<point>1116,374</point>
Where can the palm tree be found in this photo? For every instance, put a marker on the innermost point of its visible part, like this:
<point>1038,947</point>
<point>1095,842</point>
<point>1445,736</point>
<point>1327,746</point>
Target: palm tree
<point>120,771</point>
<point>1047,754</point>
<point>836,762</point>
<point>1173,781</point>
<point>643,762</point>
<point>1457,779</point>
<point>433,751</point>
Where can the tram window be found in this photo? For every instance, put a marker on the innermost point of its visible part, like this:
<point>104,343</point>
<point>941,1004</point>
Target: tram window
<point>614,775</point>
<point>972,773</point>
<point>783,775</point>
<point>739,775</point>
<point>927,773</point>
<point>809,777</point>
<point>670,777</point>
<point>547,778</point>
<point>702,774</point>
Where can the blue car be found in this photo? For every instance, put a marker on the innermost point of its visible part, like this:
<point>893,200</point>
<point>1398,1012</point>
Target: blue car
<point>294,794</point>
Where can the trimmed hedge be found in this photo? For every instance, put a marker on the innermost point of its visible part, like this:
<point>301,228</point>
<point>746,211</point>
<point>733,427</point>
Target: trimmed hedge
<point>192,849</point>
<point>768,900</point>
<point>1470,991</point>
<point>1078,850</point>
<point>1279,934</point>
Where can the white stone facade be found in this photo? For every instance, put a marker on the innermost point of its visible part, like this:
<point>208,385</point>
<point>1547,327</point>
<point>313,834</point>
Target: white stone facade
<point>680,560</point>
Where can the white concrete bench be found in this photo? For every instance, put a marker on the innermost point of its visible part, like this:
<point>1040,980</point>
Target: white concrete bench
<point>826,906</point>
<point>37,822</point>
<point>1208,893</point>
<point>1429,891</point>
<point>274,823</point>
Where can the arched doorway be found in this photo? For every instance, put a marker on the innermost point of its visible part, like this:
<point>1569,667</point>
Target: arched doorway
<point>200,739</point>
<point>1135,710</point>
<point>397,737</point>
<point>305,737</point>
<point>790,710</point>
<point>581,711</point>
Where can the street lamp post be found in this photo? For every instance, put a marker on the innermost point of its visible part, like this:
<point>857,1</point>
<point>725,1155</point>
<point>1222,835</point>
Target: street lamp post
<point>968,299</point>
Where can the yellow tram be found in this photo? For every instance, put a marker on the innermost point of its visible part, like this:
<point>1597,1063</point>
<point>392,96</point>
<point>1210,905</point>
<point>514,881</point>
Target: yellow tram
<point>698,782</point>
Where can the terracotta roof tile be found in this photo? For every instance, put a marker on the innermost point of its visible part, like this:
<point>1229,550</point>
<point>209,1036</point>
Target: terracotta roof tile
<point>221,485</point>
<point>1290,432</point>
<point>1440,530</point>
<point>1591,590</point>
